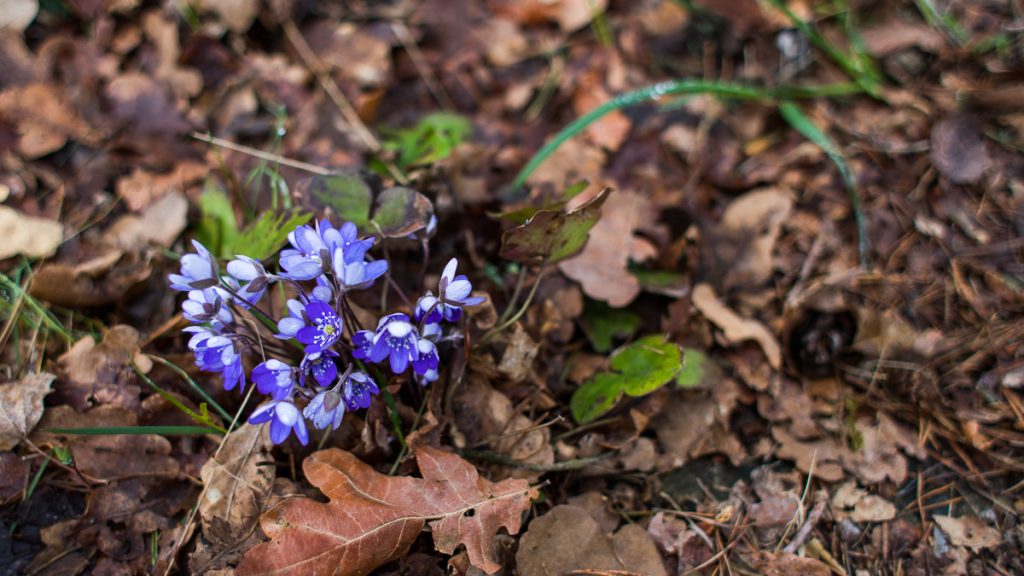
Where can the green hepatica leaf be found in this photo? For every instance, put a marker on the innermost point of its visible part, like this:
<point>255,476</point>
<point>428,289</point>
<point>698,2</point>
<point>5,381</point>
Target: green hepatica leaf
<point>553,236</point>
<point>401,211</point>
<point>347,194</point>
<point>637,369</point>
<point>558,202</point>
<point>602,324</point>
<point>698,370</point>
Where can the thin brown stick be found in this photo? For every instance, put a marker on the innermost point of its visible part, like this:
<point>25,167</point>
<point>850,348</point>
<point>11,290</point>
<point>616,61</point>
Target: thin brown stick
<point>257,153</point>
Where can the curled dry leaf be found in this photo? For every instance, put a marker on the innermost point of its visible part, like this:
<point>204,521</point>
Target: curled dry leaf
<point>860,506</point>
<point>568,538</point>
<point>602,267</point>
<point>969,531</point>
<point>21,407</point>
<point>734,328</point>
<point>238,481</point>
<point>29,236</point>
<point>372,519</point>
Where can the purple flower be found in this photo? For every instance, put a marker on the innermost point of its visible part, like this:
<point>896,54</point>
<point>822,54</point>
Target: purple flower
<point>206,305</point>
<point>395,338</point>
<point>312,249</point>
<point>362,344</point>
<point>320,366</point>
<point>452,294</point>
<point>274,377</point>
<point>324,328</point>
<point>283,417</point>
<point>426,378</point>
<point>359,390</point>
<point>356,274</point>
<point>325,409</point>
<point>216,352</point>
<point>254,275</point>
<point>426,357</point>
<point>198,271</point>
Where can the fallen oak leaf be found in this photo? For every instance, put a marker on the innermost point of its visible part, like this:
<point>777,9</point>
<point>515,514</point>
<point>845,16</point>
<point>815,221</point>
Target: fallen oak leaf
<point>736,329</point>
<point>372,519</point>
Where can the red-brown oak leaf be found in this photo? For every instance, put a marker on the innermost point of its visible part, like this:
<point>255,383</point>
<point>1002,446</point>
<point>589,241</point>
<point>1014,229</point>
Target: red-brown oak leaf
<point>372,519</point>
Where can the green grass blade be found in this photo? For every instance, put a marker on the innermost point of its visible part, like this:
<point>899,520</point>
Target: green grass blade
<point>195,386</point>
<point>802,124</point>
<point>676,88</point>
<point>132,430</point>
<point>46,316</point>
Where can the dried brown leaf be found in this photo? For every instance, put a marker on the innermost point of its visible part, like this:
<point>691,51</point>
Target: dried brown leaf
<point>959,150</point>
<point>44,119</point>
<point>27,235</point>
<point>238,481</point>
<point>602,267</point>
<point>969,531</point>
<point>93,374</point>
<point>372,519</point>
<point>859,505</point>
<point>753,222</point>
<point>567,538</point>
<point>734,328</point>
<point>141,188</point>
<point>21,407</point>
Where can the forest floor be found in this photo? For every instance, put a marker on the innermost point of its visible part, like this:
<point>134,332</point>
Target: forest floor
<point>790,344</point>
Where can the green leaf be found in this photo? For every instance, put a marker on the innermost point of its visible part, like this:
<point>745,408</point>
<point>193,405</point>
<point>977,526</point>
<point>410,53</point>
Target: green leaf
<point>347,194</point>
<point>602,324</point>
<point>265,236</point>
<point>697,370</point>
<point>217,226</point>
<point>401,211</point>
<point>636,370</point>
<point>520,215</point>
<point>553,236</point>
<point>432,139</point>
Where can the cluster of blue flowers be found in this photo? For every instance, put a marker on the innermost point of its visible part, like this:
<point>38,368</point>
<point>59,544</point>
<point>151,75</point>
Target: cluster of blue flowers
<point>322,265</point>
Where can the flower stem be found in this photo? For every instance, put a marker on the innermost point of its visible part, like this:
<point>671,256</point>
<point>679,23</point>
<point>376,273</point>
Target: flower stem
<point>519,313</point>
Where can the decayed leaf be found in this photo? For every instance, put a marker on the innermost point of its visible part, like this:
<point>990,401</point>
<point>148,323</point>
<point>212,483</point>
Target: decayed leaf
<point>483,414</point>
<point>238,481</point>
<point>969,531</point>
<point>21,407</point>
<point>602,267</point>
<point>568,538</point>
<point>786,564</point>
<point>820,455</point>
<point>237,15</point>
<point>140,188</point>
<point>32,237</point>
<point>400,211</point>
<point>372,519</point>
<point>753,221</point>
<point>878,458</point>
<point>859,505</point>
<point>348,195</point>
<point>734,328</point>
<point>93,374</point>
<point>553,236</point>
<point>44,119</point>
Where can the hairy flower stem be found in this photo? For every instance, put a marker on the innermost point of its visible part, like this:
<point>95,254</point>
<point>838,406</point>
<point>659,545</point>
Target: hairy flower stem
<point>520,281</point>
<point>522,309</point>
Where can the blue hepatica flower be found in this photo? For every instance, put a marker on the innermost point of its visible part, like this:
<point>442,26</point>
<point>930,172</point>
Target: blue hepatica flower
<point>396,338</point>
<point>362,344</point>
<point>274,377</point>
<point>325,409</point>
<point>255,276</point>
<point>426,378</point>
<point>206,305</point>
<point>198,271</point>
<point>283,417</point>
<point>323,330</point>
<point>216,352</point>
<point>356,274</point>
<point>452,294</point>
<point>359,390</point>
<point>320,366</point>
<point>426,357</point>
<point>312,249</point>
